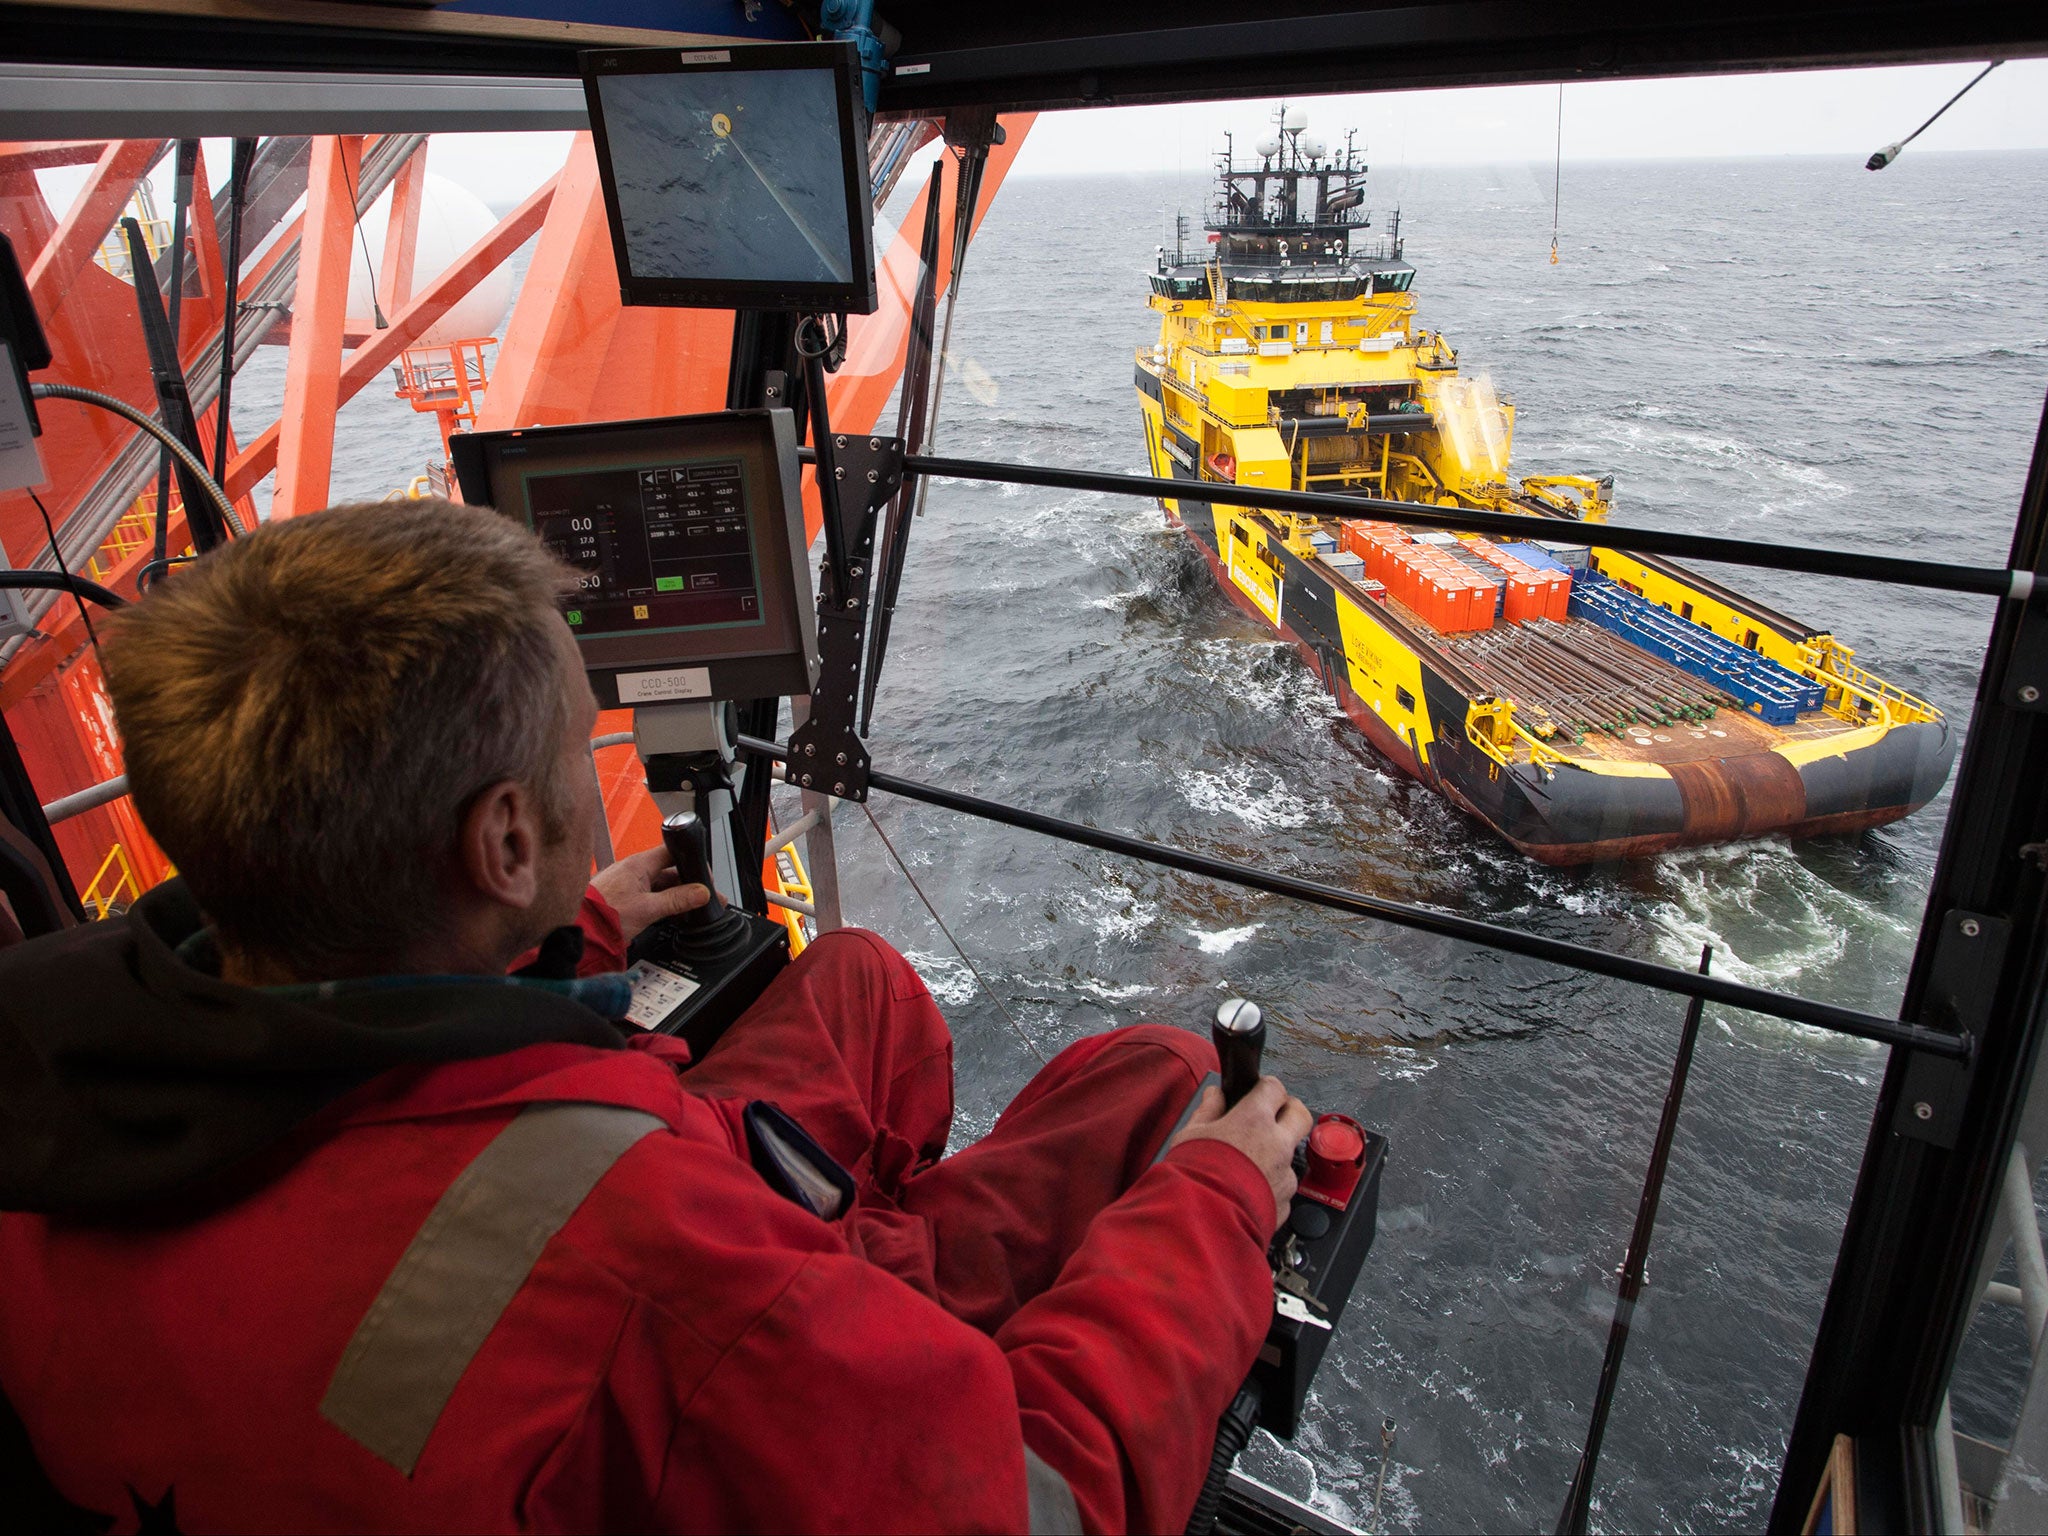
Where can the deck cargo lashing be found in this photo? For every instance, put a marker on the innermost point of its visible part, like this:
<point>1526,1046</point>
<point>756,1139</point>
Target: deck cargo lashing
<point>1583,679</point>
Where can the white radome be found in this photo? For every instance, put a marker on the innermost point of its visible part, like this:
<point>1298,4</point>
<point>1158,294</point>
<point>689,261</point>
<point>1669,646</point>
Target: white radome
<point>1315,149</point>
<point>452,219</point>
<point>1294,120</point>
<point>1267,147</point>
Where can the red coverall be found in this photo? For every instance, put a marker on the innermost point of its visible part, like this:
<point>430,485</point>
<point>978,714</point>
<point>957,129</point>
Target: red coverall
<point>691,1351</point>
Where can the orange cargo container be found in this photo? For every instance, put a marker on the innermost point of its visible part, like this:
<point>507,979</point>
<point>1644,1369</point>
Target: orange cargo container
<point>1398,572</point>
<point>1412,580</point>
<point>1479,604</point>
<point>1446,603</point>
<point>1525,598</point>
<point>1557,604</point>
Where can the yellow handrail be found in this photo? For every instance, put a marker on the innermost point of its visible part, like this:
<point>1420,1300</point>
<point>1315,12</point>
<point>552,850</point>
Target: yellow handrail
<point>1836,670</point>
<point>1541,753</point>
<point>104,902</point>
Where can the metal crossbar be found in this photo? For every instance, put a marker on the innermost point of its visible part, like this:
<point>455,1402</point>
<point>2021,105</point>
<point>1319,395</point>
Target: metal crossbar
<point>1986,580</point>
<point>1648,973</point>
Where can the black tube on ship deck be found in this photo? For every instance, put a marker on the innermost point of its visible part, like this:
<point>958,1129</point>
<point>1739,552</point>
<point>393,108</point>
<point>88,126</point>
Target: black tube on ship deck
<point>1648,973</point>
<point>1934,575</point>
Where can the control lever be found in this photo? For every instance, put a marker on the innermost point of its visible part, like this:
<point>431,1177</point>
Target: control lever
<point>696,972</point>
<point>1316,1256</point>
<point>688,841</point>
<point>1239,1034</point>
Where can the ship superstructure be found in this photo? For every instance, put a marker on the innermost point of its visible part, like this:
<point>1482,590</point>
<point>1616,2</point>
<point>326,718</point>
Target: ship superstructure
<point>1584,703</point>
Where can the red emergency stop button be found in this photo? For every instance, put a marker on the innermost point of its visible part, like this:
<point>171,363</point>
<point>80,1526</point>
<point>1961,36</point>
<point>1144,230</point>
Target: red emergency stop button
<point>1336,1160</point>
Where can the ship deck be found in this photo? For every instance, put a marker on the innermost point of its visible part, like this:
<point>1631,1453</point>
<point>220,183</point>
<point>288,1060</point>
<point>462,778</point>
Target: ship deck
<point>1622,704</point>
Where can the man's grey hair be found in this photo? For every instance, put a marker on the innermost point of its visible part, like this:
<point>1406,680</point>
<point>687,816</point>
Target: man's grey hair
<point>309,712</point>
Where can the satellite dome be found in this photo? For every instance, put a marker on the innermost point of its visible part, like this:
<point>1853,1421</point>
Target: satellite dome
<point>1315,149</point>
<point>1294,120</point>
<point>452,219</point>
<point>1267,147</point>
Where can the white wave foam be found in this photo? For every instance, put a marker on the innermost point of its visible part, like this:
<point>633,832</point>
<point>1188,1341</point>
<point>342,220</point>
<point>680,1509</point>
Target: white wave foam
<point>951,983</point>
<point>1770,919</point>
<point>1115,915</point>
<point>1264,675</point>
<point>1224,940</point>
<point>1255,796</point>
<point>1110,992</point>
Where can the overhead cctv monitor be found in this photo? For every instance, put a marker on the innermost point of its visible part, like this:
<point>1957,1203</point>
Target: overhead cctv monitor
<point>736,178</point>
<point>687,536</point>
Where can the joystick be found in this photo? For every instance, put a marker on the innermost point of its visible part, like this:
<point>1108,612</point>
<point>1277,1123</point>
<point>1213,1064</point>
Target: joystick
<point>711,930</point>
<point>1239,1034</point>
<point>1320,1248</point>
<point>1316,1255</point>
<point>694,973</point>
<point>688,842</point>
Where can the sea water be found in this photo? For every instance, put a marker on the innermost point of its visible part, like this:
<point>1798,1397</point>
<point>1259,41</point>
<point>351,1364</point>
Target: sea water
<point>1793,350</point>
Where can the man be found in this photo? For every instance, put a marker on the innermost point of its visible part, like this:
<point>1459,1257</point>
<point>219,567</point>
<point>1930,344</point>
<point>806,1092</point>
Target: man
<point>319,1220</point>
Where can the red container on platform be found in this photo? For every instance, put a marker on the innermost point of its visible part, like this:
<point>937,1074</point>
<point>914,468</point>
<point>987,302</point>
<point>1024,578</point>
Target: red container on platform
<point>1525,597</point>
<point>1557,605</point>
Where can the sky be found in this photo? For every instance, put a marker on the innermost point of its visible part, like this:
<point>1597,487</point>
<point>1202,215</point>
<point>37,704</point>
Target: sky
<point>1849,112</point>
<point>1815,112</point>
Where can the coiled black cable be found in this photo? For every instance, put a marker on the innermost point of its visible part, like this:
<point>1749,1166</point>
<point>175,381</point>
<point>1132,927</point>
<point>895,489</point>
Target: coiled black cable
<point>1233,1433</point>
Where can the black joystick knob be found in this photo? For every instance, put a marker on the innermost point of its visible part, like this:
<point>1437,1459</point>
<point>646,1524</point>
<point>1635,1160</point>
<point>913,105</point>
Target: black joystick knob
<point>689,847</point>
<point>1240,1036</point>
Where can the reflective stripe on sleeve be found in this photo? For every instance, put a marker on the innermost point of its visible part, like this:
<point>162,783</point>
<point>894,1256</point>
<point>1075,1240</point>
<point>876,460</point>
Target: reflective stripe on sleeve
<point>1053,1511</point>
<point>464,1266</point>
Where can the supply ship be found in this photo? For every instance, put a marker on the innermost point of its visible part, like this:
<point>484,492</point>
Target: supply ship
<point>1584,703</point>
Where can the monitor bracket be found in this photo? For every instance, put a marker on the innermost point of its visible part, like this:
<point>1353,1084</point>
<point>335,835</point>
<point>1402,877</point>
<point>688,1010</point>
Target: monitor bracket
<point>826,753</point>
<point>686,750</point>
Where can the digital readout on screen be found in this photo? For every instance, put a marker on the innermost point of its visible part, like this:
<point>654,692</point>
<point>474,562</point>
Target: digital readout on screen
<point>660,546</point>
<point>758,146</point>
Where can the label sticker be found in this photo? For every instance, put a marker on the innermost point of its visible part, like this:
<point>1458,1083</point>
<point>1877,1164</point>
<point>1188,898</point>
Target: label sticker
<point>913,69</point>
<point>657,993</point>
<point>653,687</point>
<point>705,56</point>
<point>20,463</point>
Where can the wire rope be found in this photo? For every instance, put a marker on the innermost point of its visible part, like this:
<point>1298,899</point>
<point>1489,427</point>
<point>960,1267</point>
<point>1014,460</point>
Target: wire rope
<point>71,582</point>
<point>356,211</point>
<point>1557,175</point>
<point>897,859</point>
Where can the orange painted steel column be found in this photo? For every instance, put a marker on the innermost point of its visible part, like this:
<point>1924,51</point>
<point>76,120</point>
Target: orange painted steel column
<point>23,210</point>
<point>368,362</point>
<point>91,215</point>
<point>402,233</point>
<point>551,359</point>
<point>312,379</point>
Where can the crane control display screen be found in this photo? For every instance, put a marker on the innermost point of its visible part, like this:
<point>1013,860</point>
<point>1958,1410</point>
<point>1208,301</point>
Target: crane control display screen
<point>736,176</point>
<point>665,546</point>
<point>686,537</point>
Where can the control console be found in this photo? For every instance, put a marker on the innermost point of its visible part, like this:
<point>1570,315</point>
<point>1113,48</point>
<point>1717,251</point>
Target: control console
<point>685,546</point>
<point>1318,1253</point>
<point>693,975</point>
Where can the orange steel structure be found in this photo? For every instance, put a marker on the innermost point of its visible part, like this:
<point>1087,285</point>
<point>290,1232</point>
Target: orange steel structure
<point>447,378</point>
<point>569,353</point>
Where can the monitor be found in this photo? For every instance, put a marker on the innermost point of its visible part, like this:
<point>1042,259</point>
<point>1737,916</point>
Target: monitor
<point>736,178</point>
<point>687,533</point>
